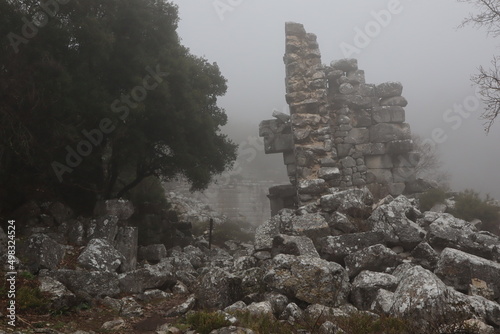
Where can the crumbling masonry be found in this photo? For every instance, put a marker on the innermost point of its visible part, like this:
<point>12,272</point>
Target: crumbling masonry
<point>341,131</point>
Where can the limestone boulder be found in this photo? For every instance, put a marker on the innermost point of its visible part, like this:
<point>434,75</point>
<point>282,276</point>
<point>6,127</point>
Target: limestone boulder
<point>392,220</point>
<point>218,289</point>
<point>375,258</point>
<point>309,279</point>
<point>265,233</point>
<point>104,227</point>
<point>311,225</point>
<point>42,252</point>
<point>425,256</point>
<point>336,248</point>
<point>389,89</point>
<point>100,255</point>
<point>458,269</point>
<point>88,284</point>
<point>126,243</point>
<point>60,297</point>
<point>366,285</point>
<point>159,276</point>
<point>294,245</point>
<point>354,202</point>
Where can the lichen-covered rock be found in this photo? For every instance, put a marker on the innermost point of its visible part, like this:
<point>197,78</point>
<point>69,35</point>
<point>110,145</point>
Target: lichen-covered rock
<point>354,202</point>
<point>366,285</point>
<point>294,245</point>
<point>375,258</point>
<point>339,222</point>
<point>392,220</point>
<point>309,224</point>
<point>100,255</point>
<point>121,208</point>
<point>425,256</point>
<point>292,313</point>
<point>182,308</point>
<point>309,279</point>
<point>88,284</point>
<point>152,253</point>
<point>218,289</point>
<point>60,297</point>
<point>104,227</point>
<point>149,277</point>
<point>265,233</point>
<point>389,89</point>
<point>458,268</point>
<point>336,248</point>
<point>260,309</point>
<point>313,187</point>
<point>448,231</point>
<point>43,253</point>
<point>126,243</point>
<point>232,330</point>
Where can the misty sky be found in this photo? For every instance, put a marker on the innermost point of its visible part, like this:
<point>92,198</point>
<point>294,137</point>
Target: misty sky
<point>420,45</point>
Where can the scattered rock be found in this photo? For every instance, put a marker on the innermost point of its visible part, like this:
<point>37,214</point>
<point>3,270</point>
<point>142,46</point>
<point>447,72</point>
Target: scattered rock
<point>100,255</point>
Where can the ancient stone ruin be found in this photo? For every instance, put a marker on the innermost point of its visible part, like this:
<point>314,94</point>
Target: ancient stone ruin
<point>341,131</point>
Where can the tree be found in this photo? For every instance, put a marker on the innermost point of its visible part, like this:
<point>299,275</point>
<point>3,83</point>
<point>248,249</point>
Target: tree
<point>430,164</point>
<point>97,95</point>
<point>488,79</point>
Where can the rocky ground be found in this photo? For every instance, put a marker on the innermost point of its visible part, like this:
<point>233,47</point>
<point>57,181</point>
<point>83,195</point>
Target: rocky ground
<point>362,259</point>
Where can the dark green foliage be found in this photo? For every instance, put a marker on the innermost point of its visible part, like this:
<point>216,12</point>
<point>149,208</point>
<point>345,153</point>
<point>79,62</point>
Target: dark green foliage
<point>431,198</point>
<point>469,205</point>
<point>204,322</point>
<point>233,230</point>
<point>78,71</point>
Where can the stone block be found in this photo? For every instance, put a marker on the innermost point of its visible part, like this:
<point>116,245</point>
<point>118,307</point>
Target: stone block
<point>403,174</point>
<point>301,120</point>
<point>356,77</point>
<point>388,114</point>
<point>399,146</point>
<point>361,118</point>
<point>358,136</point>
<point>381,175</point>
<point>409,159</point>
<point>371,148</point>
<point>378,161</point>
<point>329,173</point>
<point>389,89</point>
<point>278,143</point>
<point>345,65</point>
<point>394,101</point>
<point>316,186</point>
<point>386,132</point>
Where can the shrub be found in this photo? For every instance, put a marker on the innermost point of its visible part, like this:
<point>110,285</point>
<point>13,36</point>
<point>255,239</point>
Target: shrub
<point>232,230</point>
<point>470,206</point>
<point>264,324</point>
<point>204,322</point>
<point>431,198</point>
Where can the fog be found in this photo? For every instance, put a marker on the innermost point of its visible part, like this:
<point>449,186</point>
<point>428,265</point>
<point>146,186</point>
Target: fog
<point>420,45</point>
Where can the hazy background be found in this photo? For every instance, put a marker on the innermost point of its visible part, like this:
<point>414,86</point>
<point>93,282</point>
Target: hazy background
<point>422,47</point>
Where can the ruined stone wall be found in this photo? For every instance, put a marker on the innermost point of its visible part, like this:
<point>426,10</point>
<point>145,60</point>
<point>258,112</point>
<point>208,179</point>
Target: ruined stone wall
<point>341,131</point>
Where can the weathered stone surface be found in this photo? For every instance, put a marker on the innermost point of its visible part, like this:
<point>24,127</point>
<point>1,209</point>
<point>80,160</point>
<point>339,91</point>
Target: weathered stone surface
<point>358,136</point>
<point>375,258</point>
<point>314,187</point>
<point>260,309</point>
<point>265,233</point>
<point>60,297</point>
<point>448,231</point>
<point>389,89</point>
<point>345,65</point>
<point>372,148</point>
<point>394,101</point>
<point>218,289</point>
<point>422,297</point>
<point>152,253</point>
<point>301,120</point>
<point>399,147</point>
<point>121,208</point>
<point>338,247</point>
<point>457,268</point>
<point>366,285</point>
<point>60,212</point>
<point>149,277</point>
<point>43,253</point>
<point>354,202</point>
<point>105,227</point>
<point>100,255</point>
<point>232,330</point>
<point>387,132</point>
<point>391,219</point>
<point>293,245</point>
<point>278,143</point>
<point>425,256</point>
<point>88,284</point>
<point>329,173</point>
<point>388,114</point>
<point>281,116</point>
<point>379,161</point>
<point>308,224</point>
<point>292,313</point>
<point>309,279</point>
<point>182,308</point>
<point>339,222</point>
<point>126,243</point>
